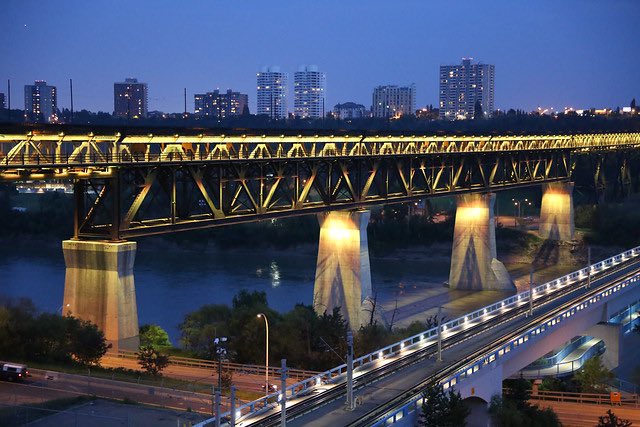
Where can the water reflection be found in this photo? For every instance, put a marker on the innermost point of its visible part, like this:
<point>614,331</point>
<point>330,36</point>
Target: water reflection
<point>274,272</point>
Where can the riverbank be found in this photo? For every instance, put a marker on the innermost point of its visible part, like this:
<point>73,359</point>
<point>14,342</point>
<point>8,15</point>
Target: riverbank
<point>173,280</point>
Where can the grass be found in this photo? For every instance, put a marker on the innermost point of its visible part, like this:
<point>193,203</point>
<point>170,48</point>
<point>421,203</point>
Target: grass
<point>125,375</point>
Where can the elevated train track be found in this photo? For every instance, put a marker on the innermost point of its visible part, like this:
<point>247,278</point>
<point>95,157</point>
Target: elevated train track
<point>370,374</point>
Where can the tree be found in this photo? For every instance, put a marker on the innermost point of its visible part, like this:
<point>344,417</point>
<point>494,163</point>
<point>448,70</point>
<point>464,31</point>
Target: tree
<point>505,413</point>
<point>593,375</point>
<point>477,111</point>
<point>612,420</point>
<point>442,409</point>
<point>86,342</point>
<point>151,360</point>
<point>154,336</point>
<point>518,391</point>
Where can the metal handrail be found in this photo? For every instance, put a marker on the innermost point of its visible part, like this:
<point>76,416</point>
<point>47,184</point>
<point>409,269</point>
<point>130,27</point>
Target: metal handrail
<point>262,147</point>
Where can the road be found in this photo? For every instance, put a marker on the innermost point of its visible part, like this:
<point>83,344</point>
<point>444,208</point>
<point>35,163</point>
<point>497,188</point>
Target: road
<point>38,389</point>
<point>378,387</point>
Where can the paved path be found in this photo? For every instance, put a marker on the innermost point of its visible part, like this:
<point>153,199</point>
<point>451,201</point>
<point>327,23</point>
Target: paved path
<point>586,415</point>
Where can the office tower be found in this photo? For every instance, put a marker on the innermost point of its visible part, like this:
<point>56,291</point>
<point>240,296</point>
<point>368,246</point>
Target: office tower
<point>349,110</point>
<point>394,101</point>
<point>220,105</point>
<point>2,103</point>
<point>462,85</point>
<point>40,102</point>
<point>130,99</point>
<point>309,86</point>
<point>272,92</point>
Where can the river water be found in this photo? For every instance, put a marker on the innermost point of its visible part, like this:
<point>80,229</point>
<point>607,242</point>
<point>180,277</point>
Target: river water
<point>173,282</point>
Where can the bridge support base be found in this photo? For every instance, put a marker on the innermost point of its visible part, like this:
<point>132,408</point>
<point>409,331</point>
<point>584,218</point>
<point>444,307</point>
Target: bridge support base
<point>343,275</point>
<point>611,334</point>
<point>474,263</point>
<point>99,287</point>
<point>556,212</point>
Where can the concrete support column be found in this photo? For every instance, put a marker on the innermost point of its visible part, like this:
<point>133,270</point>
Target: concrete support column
<point>474,263</point>
<point>343,275</point>
<point>611,334</point>
<point>99,287</point>
<point>556,212</point>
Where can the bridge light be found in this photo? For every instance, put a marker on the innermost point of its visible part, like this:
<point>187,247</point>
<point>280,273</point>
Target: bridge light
<point>380,355</point>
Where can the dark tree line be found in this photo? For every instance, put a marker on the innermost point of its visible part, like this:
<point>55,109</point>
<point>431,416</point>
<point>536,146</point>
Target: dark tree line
<point>28,336</point>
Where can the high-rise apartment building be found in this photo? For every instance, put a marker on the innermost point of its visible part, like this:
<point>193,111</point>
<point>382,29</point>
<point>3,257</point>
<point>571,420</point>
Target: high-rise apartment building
<point>130,99</point>
<point>40,102</point>
<point>309,86</point>
<point>272,92</point>
<point>220,105</point>
<point>393,101</point>
<point>462,85</point>
<point>2,103</point>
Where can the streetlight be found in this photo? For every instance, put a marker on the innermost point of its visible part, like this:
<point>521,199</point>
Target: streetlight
<point>266,352</point>
<point>517,203</point>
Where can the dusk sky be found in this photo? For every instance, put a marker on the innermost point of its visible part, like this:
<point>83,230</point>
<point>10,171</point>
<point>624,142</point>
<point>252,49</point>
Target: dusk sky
<point>546,53</point>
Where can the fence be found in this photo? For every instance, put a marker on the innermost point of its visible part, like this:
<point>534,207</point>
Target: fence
<point>626,399</point>
<point>235,368</point>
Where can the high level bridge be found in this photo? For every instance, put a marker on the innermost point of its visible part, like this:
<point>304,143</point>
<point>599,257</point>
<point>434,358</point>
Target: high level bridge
<point>133,183</point>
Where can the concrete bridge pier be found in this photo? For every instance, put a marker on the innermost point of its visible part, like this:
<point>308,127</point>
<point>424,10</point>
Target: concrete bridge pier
<point>474,263</point>
<point>99,287</point>
<point>556,212</point>
<point>343,275</point>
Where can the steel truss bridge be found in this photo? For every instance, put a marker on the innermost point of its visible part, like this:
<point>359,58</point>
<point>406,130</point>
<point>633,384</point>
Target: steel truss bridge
<point>129,184</point>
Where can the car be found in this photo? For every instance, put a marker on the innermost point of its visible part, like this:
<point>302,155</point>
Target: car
<point>13,371</point>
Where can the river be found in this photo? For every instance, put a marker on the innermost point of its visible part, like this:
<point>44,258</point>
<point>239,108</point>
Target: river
<point>172,282</point>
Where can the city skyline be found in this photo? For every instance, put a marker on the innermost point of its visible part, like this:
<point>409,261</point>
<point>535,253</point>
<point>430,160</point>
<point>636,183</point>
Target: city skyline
<point>546,54</point>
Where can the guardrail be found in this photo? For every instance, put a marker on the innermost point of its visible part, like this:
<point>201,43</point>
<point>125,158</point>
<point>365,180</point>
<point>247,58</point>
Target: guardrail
<point>415,403</point>
<point>304,387</point>
<point>565,368</point>
<point>213,365</point>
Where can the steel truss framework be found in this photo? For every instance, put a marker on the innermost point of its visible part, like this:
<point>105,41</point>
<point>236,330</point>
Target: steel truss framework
<point>134,185</point>
<point>163,198</point>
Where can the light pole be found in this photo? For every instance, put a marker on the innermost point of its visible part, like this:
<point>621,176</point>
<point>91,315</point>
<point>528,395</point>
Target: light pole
<point>517,210</point>
<point>220,351</point>
<point>531,292</point>
<point>439,319</point>
<point>588,267</point>
<point>266,352</point>
<point>62,307</point>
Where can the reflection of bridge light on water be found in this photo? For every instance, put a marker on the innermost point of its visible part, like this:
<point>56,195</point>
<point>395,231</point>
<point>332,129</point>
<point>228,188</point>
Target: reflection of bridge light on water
<point>274,272</point>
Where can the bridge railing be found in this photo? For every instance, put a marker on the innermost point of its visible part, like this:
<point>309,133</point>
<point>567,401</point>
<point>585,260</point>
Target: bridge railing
<point>427,337</point>
<point>565,368</point>
<point>56,149</point>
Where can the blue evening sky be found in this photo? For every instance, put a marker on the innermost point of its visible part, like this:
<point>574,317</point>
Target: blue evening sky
<point>579,53</point>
